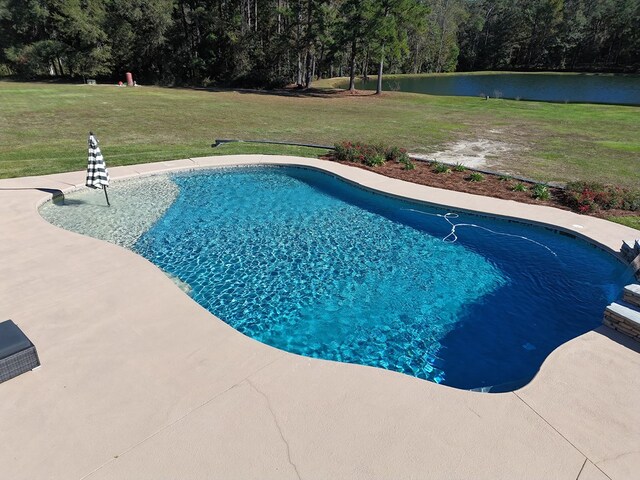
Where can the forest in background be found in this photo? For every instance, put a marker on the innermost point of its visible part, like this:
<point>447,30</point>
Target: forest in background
<point>272,43</point>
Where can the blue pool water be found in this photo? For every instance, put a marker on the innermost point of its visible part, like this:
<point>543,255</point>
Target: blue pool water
<point>307,263</point>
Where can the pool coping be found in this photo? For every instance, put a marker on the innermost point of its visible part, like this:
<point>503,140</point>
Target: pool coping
<point>82,415</point>
<point>599,232</point>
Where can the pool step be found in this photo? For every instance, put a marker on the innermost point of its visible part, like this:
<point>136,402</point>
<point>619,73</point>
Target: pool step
<point>632,294</point>
<point>631,253</point>
<point>623,316</point>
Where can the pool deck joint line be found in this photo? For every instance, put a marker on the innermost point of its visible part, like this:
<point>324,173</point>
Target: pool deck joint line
<point>559,433</point>
<point>142,382</point>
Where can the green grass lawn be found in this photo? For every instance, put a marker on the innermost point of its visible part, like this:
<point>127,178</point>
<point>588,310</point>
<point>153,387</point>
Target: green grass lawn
<point>633,222</point>
<point>43,127</point>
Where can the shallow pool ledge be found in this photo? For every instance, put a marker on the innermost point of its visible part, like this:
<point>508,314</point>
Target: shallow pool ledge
<point>138,381</point>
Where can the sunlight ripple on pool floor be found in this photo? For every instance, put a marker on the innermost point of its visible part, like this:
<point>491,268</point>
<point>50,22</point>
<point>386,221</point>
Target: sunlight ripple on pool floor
<point>314,275</point>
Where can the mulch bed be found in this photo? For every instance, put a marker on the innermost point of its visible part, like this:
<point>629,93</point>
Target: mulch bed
<point>490,186</point>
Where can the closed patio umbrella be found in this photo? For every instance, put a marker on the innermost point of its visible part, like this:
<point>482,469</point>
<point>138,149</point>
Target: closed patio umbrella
<point>97,174</point>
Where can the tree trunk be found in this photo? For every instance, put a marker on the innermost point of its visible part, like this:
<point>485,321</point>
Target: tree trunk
<point>188,37</point>
<point>352,66</point>
<point>299,71</point>
<point>380,67</point>
<point>443,34</point>
<point>365,67</point>
<point>298,42</point>
<point>279,19</point>
<point>307,70</point>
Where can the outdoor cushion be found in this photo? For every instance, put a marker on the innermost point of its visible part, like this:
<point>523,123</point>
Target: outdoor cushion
<point>17,354</point>
<point>12,340</point>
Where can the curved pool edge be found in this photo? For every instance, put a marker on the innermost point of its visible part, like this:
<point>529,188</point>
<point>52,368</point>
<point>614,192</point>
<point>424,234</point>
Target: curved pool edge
<point>598,232</point>
<point>318,406</point>
<point>602,233</point>
<point>607,235</point>
<point>546,217</point>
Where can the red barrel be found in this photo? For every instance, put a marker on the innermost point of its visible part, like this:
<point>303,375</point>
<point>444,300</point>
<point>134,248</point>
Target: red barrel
<point>129,79</point>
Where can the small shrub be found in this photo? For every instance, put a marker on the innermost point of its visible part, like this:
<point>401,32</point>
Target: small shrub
<point>475,177</point>
<point>540,192</point>
<point>373,159</point>
<point>631,200</point>
<point>519,187</point>
<point>581,196</point>
<point>582,203</point>
<point>370,155</point>
<point>407,164</point>
<point>458,167</point>
<point>589,197</point>
<point>504,178</point>
<point>343,151</point>
<point>396,154</point>
<point>577,186</point>
<point>439,167</point>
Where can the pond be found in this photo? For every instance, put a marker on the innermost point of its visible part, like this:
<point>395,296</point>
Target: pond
<point>550,87</point>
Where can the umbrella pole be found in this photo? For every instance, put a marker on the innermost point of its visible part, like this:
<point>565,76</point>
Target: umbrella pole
<point>105,194</point>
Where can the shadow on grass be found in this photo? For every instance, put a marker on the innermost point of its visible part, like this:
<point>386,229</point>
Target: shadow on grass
<point>290,92</point>
<point>43,79</point>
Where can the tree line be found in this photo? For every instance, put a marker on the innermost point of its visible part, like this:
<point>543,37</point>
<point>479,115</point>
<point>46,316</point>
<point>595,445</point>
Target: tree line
<point>269,43</point>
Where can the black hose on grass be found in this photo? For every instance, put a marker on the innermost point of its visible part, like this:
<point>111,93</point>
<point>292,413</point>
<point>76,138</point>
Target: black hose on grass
<point>273,142</point>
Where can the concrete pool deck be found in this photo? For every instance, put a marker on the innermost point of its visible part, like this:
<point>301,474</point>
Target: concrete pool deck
<point>139,382</point>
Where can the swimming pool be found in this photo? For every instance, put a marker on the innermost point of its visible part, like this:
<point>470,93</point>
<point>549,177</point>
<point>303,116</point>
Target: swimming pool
<point>310,264</point>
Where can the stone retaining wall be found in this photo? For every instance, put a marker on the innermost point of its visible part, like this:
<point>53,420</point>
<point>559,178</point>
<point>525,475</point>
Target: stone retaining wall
<point>631,253</point>
<point>615,319</point>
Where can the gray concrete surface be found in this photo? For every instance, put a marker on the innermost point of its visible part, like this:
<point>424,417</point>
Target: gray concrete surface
<point>139,382</point>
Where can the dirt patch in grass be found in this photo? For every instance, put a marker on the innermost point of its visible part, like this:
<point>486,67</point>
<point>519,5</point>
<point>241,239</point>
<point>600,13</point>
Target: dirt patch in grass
<point>480,153</point>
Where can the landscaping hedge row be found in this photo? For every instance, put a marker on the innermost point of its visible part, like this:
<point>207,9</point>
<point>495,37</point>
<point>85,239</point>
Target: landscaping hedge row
<point>583,197</point>
<point>588,197</point>
<point>372,155</point>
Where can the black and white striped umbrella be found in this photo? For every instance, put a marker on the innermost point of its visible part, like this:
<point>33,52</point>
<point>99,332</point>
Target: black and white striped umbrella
<point>97,174</point>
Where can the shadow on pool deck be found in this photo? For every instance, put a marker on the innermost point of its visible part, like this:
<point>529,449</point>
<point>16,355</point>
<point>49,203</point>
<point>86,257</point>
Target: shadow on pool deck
<point>619,338</point>
<point>55,192</point>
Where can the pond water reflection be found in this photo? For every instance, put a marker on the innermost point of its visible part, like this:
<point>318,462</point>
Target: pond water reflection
<point>552,87</point>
